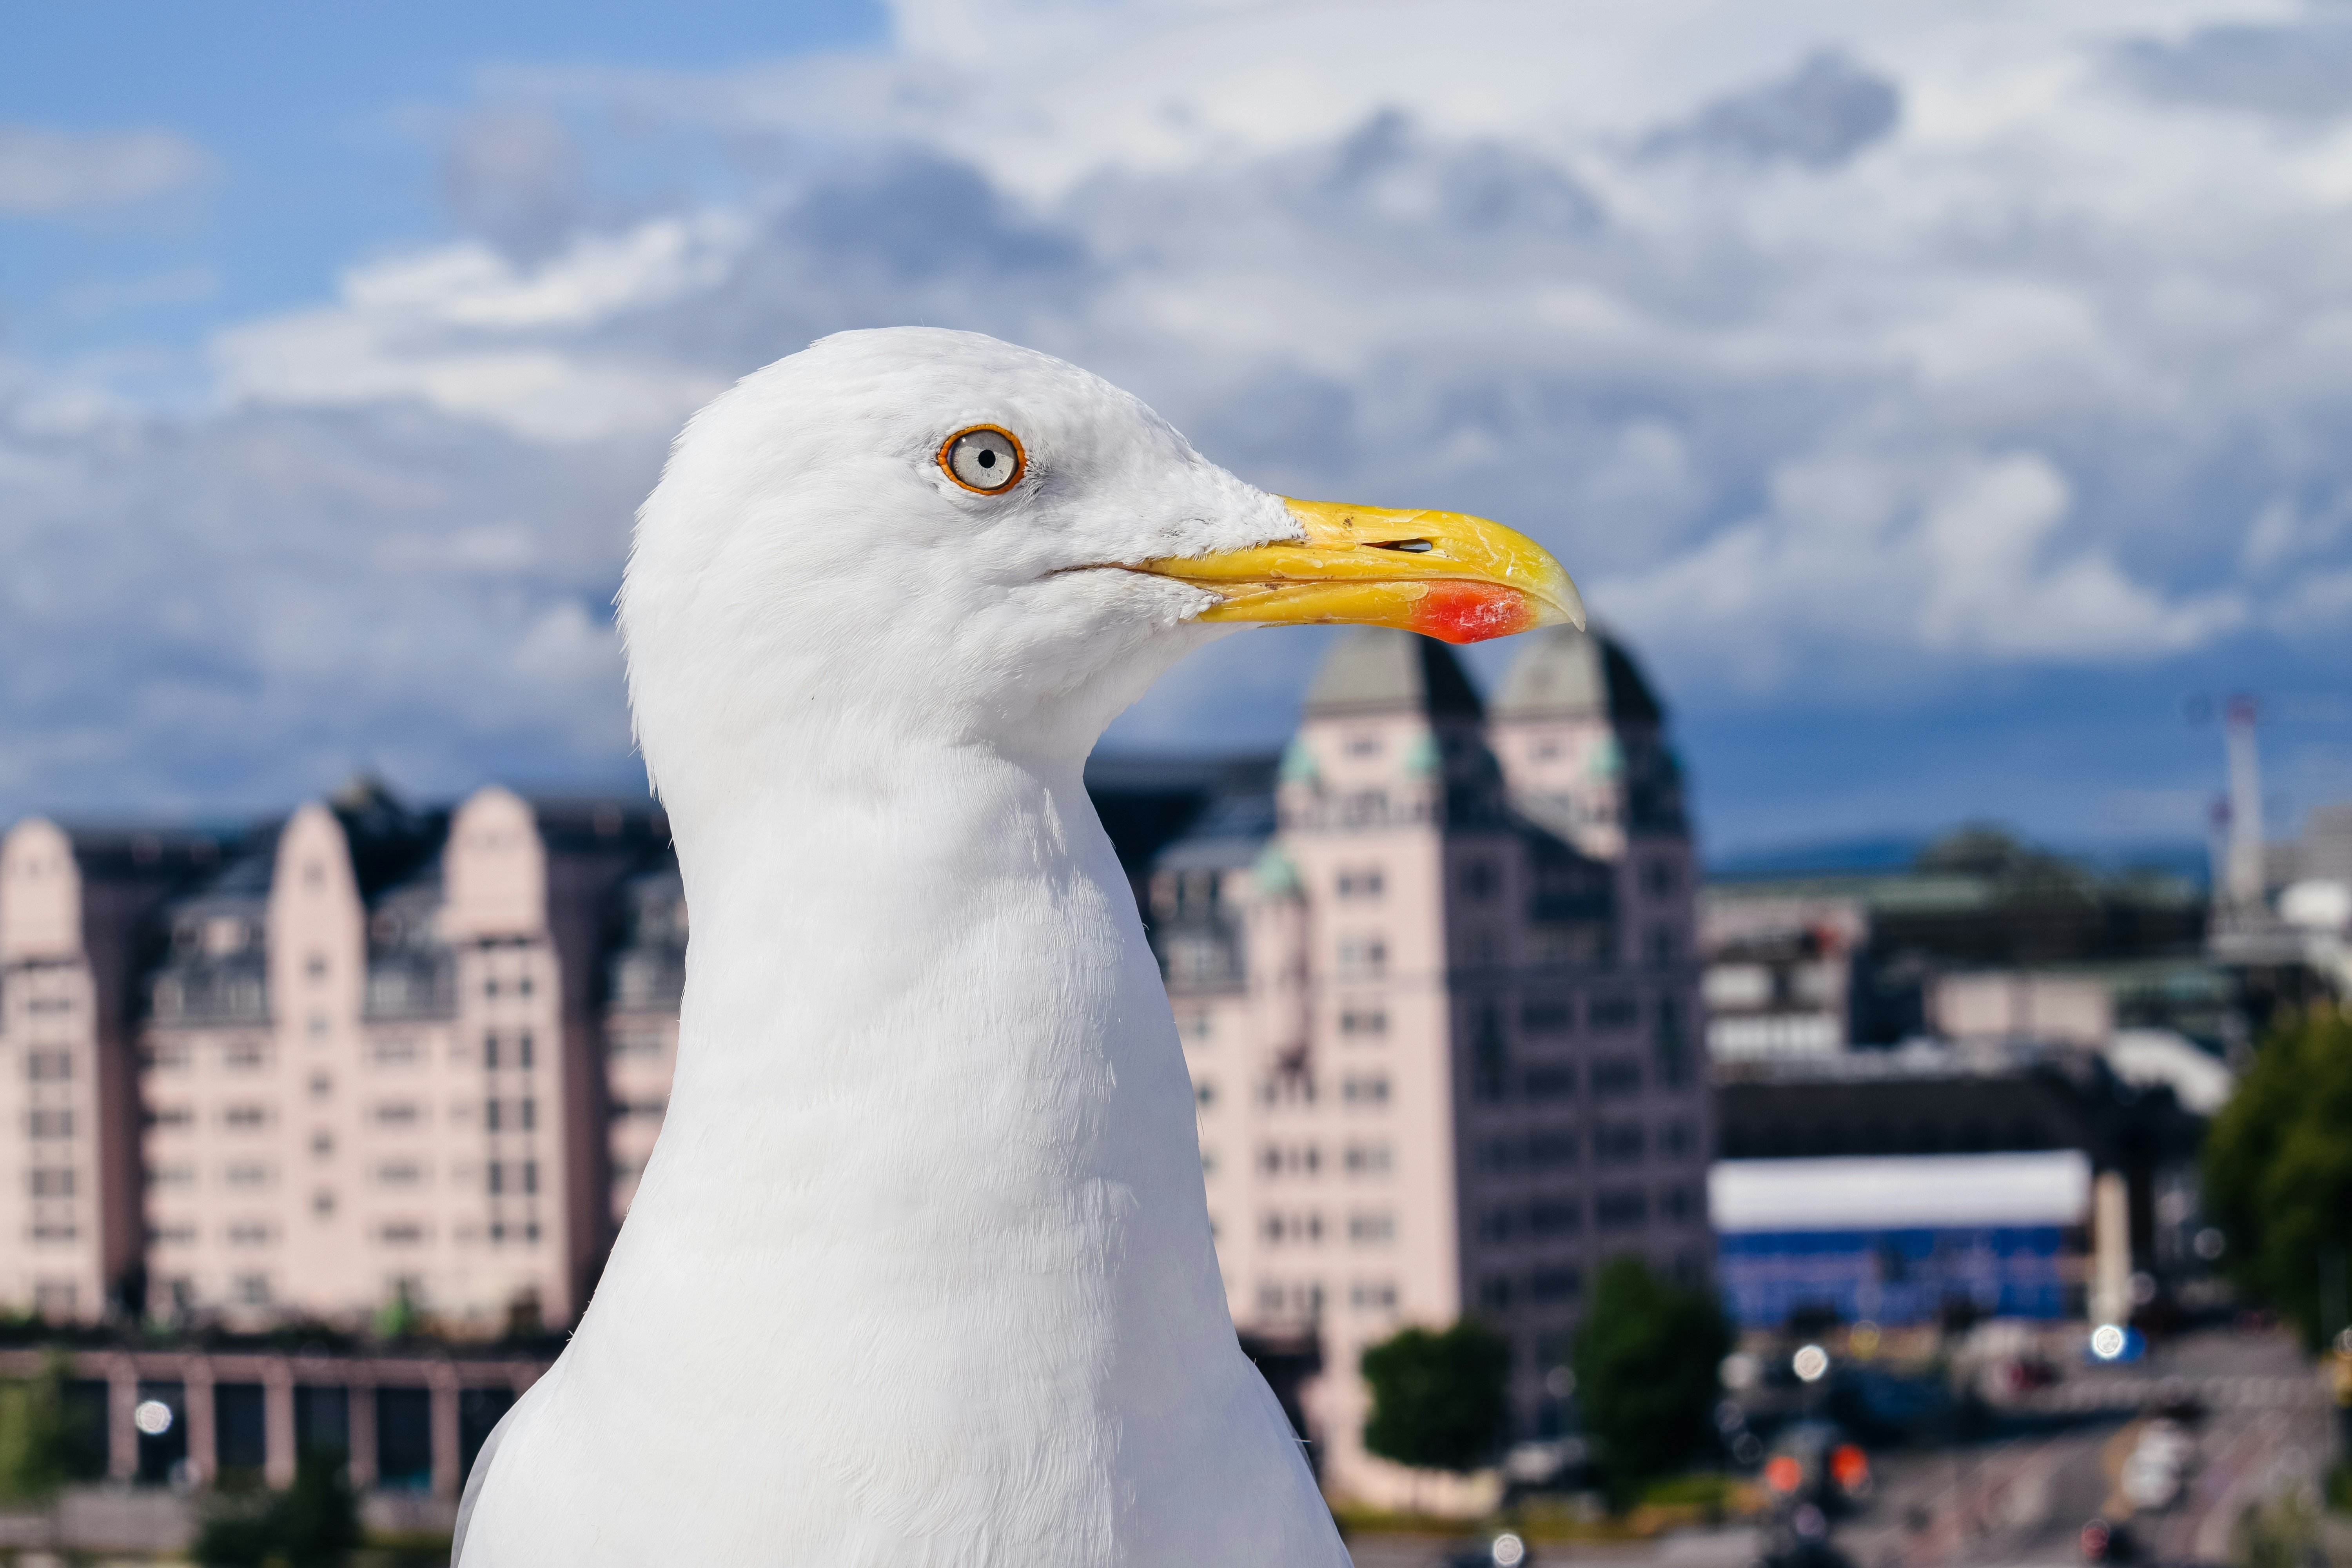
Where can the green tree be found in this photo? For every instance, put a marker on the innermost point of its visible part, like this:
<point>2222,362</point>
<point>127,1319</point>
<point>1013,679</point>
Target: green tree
<point>1645,1374</point>
<point>1438,1399</point>
<point>314,1523</point>
<point>36,1435</point>
<point>2278,1169</point>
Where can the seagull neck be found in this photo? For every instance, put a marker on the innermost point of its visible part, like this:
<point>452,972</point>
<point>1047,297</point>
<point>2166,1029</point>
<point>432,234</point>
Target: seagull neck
<point>863,937</point>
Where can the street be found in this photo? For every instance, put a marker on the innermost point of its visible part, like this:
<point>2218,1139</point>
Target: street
<point>2020,1497</point>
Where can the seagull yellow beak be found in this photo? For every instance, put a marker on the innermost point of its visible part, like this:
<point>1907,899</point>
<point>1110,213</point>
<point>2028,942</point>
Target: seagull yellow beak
<point>1441,574</point>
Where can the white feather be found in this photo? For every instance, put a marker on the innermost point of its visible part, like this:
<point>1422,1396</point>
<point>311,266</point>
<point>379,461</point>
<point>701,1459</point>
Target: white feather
<point>921,1272</point>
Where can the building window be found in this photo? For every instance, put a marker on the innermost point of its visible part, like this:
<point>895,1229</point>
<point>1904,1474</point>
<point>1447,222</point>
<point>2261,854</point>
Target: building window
<point>1363,1022</point>
<point>322,1204</point>
<point>48,1066</point>
<point>1618,1144</point>
<point>1550,1217</point>
<point>1551,1081</point>
<point>522,1049</point>
<point>249,1233</point>
<point>253,1289</point>
<point>1676,1140</point>
<point>393,1052</point>
<point>170,1116</point>
<point>1368,1159</point>
<point>1547,1016</point>
<point>401,1233</point>
<point>399,1174</point>
<point>1294,1228</point>
<point>171,1175</point>
<point>321,1086</point>
<point>1626,1208</point>
<point>246,1175</point>
<point>1662,946</point>
<point>246,1117</point>
<point>1479,881</point>
<point>1372,1229</point>
<point>1360,883</point>
<point>1616,1077</point>
<point>1658,878</point>
<point>1194,1026</point>
<point>1614,1012</point>
<point>1373,1295</point>
<point>1204,1093</point>
<point>1363,745</point>
<point>55,1182</point>
<point>1548,1149</point>
<point>176,1234</point>
<point>649,1045</point>
<point>398,1113</point>
<point>1494,1293</point>
<point>323,1144</point>
<point>1556,1285</point>
<point>1363,955</point>
<point>1373,1090</point>
<point>490,1051</point>
<point>244,1056</point>
<point>52,1123</point>
<point>316,966</point>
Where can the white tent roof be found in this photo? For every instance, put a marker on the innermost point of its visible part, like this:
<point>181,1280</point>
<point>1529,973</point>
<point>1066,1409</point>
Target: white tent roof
<point>1901,1192</point>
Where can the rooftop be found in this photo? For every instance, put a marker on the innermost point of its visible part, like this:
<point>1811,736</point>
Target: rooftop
<point>1376,669</point>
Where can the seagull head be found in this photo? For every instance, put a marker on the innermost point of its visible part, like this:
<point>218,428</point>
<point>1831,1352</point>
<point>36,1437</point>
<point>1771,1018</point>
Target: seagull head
<point>914,532</point>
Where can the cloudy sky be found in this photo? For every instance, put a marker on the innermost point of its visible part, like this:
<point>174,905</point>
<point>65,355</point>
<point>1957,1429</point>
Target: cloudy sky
<point>1948,403</point>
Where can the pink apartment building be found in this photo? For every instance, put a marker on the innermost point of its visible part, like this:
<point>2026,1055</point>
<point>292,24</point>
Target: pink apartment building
<point>351,1061</point>
<point>1438,993</point>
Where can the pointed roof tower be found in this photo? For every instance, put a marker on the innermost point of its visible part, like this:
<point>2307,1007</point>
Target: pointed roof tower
<point>1375,669</point>
<point>1570,674</point>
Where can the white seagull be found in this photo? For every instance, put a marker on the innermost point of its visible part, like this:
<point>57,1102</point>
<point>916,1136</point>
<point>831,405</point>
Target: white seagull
<point>920,1273</point>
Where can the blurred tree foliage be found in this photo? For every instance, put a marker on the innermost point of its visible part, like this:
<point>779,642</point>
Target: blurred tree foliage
<point>2278,1171</point>
<point>39,1437</point>
<point>1645,1375</point>
<point>314,1523</point>
<point>1438,1398</point>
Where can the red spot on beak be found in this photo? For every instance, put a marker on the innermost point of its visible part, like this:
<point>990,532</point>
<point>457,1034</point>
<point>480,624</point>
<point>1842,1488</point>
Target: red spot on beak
<point>1458,612</point>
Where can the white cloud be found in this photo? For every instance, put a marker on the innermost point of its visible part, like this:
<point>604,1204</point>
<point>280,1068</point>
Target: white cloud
<point>43,173</point>
<point>1834,346</point>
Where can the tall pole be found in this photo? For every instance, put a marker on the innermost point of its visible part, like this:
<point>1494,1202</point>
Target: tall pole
<point>2245,807</point>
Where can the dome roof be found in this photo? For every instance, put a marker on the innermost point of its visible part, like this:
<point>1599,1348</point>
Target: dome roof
<point>1566,673</point>
<point>1377,669</point>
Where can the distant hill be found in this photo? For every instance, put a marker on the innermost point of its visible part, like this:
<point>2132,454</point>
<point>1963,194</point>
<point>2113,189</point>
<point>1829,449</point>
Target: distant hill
<point>1850,856</point>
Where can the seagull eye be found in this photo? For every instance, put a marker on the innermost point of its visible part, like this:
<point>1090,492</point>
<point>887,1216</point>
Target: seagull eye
<point>983,459</point>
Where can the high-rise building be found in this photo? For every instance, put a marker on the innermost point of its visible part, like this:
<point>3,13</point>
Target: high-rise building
<point>351,1062</point>
<point>1439,996</point>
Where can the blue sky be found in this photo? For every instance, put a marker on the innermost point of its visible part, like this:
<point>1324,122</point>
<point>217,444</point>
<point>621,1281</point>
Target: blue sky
<point>1948,403</point>
<point>318,128</point>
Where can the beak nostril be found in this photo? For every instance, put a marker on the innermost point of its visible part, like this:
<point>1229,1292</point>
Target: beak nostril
<point>1410,546</point>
